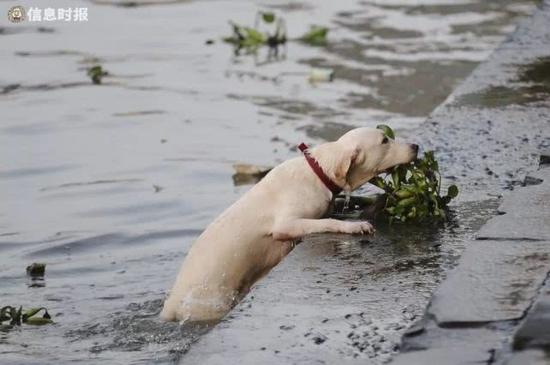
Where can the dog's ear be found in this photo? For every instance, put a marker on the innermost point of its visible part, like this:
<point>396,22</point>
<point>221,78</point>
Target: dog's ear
<point>347,158</point>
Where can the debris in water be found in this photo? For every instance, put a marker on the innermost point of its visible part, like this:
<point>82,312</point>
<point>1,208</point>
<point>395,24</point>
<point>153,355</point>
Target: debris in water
<point>252,38</point>
<point>268,17</point>
<point>96,73</point>
<point>36,269</point>
<point>18,316</point>
<point>316,36</point>
<point>249,174</point>
<point>321,75</point>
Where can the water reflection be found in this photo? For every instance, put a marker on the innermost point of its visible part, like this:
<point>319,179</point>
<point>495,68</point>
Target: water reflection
<point>110,184</point>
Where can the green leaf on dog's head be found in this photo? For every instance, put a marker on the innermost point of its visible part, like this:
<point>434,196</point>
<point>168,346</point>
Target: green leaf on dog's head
<point>387,130</point>
<point>452,192</point>
<point>268,17</point>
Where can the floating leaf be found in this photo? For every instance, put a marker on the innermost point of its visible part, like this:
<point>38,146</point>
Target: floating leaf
<point>6,313</point>
<point>249,174</point>
<point>253,36</point>
<point>38,321</point>
<point>36,269</point>
<point>30,312</point>
<point>268,17</point>
<point>246,37</point>
<point>452,192</point>
<point>18,316</point>
<point>316,36</point>
<point>33,311</point>
<point>96,73</point>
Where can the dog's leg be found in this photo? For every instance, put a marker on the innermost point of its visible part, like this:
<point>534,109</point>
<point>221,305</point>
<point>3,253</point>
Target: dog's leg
<point>297,228</point>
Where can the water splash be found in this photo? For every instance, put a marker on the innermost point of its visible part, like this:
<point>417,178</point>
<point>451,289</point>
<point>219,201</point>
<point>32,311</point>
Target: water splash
<point>347,199</point>
<point>137,329</point>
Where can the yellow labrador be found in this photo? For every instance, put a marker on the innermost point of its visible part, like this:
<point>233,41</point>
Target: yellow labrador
<point>253,235</point>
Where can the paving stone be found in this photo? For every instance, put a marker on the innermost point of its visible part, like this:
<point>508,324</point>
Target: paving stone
<point>498,277</point>
<point>444,356</point>
<point>514,227</point>
<point>529,201</point>
<point>495,281</point>
<point>527,213</point>
<point>535,329</point>
<point>486,336</point>
<point>269,357</point>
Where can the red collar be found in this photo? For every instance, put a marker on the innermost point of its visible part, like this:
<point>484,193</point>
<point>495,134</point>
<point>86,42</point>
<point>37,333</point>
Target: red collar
<point>331,185</point>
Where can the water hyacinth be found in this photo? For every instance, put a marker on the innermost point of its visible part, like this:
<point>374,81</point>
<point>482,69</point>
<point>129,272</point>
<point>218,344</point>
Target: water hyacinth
<point>36,269</point>
<point>252,38</point>
<point>96,74</point>
<point>316,36</point>
<point>17,316</point>
<point>413,191</point>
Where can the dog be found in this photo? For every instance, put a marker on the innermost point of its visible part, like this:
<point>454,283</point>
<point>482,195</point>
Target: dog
<point>254,234</point>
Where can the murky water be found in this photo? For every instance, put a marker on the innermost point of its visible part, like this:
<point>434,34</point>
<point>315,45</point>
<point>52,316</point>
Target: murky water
<point>110,184</point>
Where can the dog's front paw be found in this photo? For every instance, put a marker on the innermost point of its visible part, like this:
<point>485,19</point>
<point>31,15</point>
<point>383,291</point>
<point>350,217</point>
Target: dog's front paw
<point>357,227</point>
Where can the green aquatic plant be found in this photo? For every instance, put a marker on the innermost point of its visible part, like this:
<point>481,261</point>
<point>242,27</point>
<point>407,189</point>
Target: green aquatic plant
<point>268,17</point>
<point>36,269</point>
<point>17,316</point>
<point>96,74</point>
<point>316,36</point>
<point>252,37</point>
<point>413,191</point>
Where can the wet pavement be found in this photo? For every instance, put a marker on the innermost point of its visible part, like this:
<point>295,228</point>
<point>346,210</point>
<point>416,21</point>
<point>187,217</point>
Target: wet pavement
<point>110,184</point>
<point>323,301</point>
<point>494,305</point>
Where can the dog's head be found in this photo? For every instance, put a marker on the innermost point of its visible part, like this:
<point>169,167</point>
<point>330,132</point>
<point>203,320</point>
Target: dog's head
<point>363,153</point>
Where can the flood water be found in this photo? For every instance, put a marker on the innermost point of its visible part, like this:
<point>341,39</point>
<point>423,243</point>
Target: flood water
<point>110,184</point>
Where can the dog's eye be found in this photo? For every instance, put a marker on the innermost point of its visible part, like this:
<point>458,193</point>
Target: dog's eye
<point>385,140</point>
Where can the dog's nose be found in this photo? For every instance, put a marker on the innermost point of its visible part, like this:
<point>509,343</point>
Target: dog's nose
<point>414,147</point>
